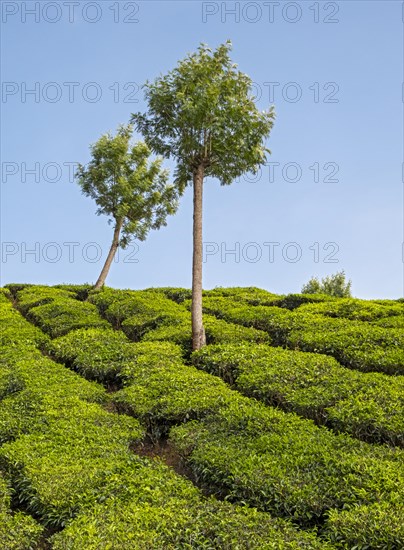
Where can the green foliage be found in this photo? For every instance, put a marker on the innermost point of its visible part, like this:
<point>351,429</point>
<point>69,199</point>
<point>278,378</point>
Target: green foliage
<point>377,526</point>
<point>82,475</point>
<point>355,310</point>
<point>33,296</point>
<point>333,285</point>
<point>81,291</point>
<point>354,344</point>
<point>15,287</point>
<point>274,320</point>
<point>396,321</point>
<point>368,406</point>
<point>17,531</point>
<point>96,353</point>
<point>286,465</point>
<point>56,311</point>
<point>60,470</point>
<point>162,394</point>
<point>180,523</point>
<point>142,308</point>
<point>203,113</point>
<point>217,331</point>
<point>70,463</point>
<point>249,295</point>
<point>5,295</point>
<point>176,294</point>
<point>16,330</point>
<point>292,301</point>
<point>63,315</point>
<point>127,186</point>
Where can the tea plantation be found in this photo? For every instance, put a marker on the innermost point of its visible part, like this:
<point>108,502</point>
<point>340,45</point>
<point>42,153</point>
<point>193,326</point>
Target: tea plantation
<point>285,432</point>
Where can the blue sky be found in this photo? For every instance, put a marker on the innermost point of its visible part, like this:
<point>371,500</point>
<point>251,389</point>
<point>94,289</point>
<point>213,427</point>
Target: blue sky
<point>331,199</point>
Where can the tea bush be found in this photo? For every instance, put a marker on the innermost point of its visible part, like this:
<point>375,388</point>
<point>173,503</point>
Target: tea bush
<point>369,406</point>
<point>17,530</point>
<point>286,465</point>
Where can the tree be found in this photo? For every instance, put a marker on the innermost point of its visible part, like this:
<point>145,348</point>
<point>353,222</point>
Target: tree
<point>333,285</point>
<point>128,187</point>
<point>203,115</point>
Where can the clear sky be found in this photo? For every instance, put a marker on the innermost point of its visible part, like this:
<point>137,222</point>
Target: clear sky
<point>332,197</point>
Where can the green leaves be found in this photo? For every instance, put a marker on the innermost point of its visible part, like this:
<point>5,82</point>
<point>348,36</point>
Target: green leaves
<point>17,531</point>
<point>127,185</point>
<point>369,406</point>
<point>203,113</point>
<point>332,285</point>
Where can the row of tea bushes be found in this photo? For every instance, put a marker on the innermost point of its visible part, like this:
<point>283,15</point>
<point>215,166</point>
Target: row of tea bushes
<point>151,315</point>
<point>248,295</point>
<point>355,310</point>
<point>369,406</point>
<point>355,344</point>
<point>18,531</point>
<point>158,388</point>
<point>54,462</point>
<point>275,461</point>
<point>76,471</point>
<point>174,516</point>
<point>56,310</point>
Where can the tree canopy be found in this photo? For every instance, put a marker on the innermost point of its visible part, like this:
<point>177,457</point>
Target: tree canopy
<point>126,185</point>
<point>333,285</point>
<point>203,112</point>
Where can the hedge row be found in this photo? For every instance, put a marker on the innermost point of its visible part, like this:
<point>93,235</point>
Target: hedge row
<point>390,322</point>
<point>355,310</point>
<point>273,460</point>
<point>248,295</point>
<point>369,406</point>
<point>150,315</point>
<point>279,463</point>
<point>17,531</point>
<point>81,474</point>
<point>173,515</point>
<point>96,353</point>
<point>355,344</point>
<point>163,393</point>
<point>158,388</point>
<point>55,464</point>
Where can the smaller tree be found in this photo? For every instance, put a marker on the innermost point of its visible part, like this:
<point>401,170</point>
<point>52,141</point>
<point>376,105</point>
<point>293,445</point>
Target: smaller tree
<point>333,285</point>
<point>128,187</point>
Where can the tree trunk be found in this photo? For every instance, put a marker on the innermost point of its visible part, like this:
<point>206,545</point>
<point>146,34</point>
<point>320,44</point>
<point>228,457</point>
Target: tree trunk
<point>198,331</point>
<point>111,254</point>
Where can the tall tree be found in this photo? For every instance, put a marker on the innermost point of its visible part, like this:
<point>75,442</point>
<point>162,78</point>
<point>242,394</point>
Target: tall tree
<point>128,187</point>
<point>203,114</point>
